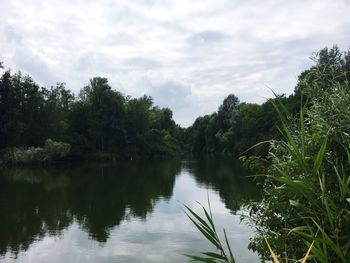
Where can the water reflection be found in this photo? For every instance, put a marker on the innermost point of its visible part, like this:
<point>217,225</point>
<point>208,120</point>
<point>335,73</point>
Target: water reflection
<point>228,177</point>
<point>38,202</point>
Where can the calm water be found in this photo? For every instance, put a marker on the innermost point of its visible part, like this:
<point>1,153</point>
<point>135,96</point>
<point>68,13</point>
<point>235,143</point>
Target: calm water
<point>120,212</point>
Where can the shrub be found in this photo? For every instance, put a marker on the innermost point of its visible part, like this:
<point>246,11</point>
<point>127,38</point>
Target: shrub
<point>307,186</point>
<point>52,151</point>
<point>56,150</point>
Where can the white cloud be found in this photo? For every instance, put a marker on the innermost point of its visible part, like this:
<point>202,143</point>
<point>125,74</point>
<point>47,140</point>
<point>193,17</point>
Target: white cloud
<point>203,50</point>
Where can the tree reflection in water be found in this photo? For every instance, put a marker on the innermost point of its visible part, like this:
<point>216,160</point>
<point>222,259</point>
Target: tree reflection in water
<point>36,202</point>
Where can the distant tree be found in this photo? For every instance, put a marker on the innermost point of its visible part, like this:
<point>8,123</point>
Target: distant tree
<point>105,114</point>
<point>212,143</point>
<point>6,100</point>
<point>22,104</point>
<point>57,107</point>
<point>229,104</point>
<point>162,119</point>
<point>198,136</point>
<point>138,115</point>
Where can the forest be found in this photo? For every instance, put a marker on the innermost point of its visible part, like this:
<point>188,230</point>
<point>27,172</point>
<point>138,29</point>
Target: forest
<point>40,124</point>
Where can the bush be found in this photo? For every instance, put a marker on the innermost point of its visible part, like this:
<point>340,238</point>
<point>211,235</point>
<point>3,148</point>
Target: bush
<point>56,150</point>
<point>52,151</point>
<point>306,197</point>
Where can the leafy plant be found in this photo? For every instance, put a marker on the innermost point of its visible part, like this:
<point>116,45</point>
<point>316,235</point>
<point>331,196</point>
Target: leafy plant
<point>306,199</point>
<point>207,228</point>
<point>52,151</point>
<point>307,184</point>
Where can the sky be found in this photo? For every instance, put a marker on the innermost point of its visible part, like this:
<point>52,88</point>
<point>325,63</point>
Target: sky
<point>187,54</point>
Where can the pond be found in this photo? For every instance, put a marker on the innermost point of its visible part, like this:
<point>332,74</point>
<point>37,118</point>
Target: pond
<point>121,211</point>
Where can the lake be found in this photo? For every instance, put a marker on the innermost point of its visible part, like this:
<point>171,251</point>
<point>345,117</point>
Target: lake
<point>120,212</point>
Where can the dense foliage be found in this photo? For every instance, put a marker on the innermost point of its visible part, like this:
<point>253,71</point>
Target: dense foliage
<point>52,151</point>
<point>99,123</point>
<point>304,213</point>
<point>306,199</point>
<point>103,123</point>
<point>236,126</point>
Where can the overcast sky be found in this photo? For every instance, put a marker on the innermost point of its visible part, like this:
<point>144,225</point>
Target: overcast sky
<point>188,55</point>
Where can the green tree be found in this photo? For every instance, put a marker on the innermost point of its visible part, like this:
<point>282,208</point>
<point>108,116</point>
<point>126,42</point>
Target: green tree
<point>229,105</point>
<point>105,115</point>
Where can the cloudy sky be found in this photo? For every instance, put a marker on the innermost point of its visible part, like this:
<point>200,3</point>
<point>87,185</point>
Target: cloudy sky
<point>187,54</point>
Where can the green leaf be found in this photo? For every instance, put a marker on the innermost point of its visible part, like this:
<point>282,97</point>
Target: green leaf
<point>319,157</point>
<point>214,255</point>
<point>207,235</point>
<point>295,185</point>
<point>200,259</point>
<point>202,222</point>
<point>232,260</point>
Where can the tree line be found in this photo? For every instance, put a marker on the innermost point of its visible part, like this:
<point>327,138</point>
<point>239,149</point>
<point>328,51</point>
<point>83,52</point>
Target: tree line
<point>101,122</point>
<point>237,126</point>
<point>98,120</point>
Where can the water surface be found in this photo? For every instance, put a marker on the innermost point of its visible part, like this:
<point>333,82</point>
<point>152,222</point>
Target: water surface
<point>120,212</point>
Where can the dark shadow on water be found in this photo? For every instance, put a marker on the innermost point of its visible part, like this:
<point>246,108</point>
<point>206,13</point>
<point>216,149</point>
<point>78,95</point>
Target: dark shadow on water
<point>35,202</point>
<point>228,177</point>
